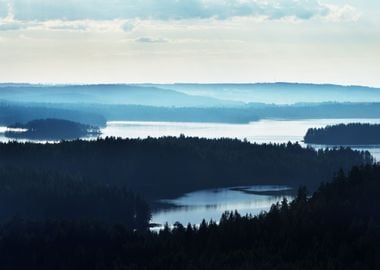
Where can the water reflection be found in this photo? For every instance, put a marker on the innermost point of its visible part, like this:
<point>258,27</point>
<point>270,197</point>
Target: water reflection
<point>211,204</point>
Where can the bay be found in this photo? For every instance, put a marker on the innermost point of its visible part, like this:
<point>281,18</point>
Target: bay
<point>211,204</point>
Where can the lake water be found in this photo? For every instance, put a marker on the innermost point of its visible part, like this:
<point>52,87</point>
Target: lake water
<point>211,204</point>
<point>264,131</point>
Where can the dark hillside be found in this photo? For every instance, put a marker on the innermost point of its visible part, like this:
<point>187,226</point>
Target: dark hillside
<point>167,167</point>
<point>337,228</point>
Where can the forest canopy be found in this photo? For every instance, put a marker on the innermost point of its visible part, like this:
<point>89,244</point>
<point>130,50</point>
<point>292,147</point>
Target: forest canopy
<point>41,196</point>
<point>51,129</point>
<point>167,167</point>
<point>350,134</point>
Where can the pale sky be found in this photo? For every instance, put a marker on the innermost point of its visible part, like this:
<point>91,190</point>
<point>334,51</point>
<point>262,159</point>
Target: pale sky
<point>125,41</point>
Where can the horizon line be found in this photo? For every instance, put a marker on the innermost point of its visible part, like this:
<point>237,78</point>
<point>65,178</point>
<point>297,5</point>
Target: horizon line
<point>185,83</point>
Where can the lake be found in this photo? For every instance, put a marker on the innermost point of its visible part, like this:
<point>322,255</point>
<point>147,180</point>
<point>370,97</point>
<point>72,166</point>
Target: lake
<point>263,131</point>
<point>211,204</point>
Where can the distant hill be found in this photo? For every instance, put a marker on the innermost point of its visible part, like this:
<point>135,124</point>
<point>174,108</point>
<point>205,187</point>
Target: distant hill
<point>351,134</point>
<point>15,112</point>
<point>51,129</point>
<point>106,94</point>
<point>222,103</point>
<point>98,114</point>
<point>245,114</point>
<point>279,93</point>
<point>188,95</point>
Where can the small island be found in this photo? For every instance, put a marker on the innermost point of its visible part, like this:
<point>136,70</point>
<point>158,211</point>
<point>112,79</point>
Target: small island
<point>51,129</point>
<point>350,134</point>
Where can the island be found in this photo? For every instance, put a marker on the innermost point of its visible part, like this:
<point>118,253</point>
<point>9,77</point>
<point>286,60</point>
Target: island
<point>344,134</point>
<point>51,129</point>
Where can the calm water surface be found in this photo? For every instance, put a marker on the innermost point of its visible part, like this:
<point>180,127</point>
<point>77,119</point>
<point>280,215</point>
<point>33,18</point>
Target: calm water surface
<point>211,204</point>
<point>264,131</point>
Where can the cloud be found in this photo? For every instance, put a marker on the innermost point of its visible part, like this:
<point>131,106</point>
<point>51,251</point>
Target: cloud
<point>11,26</point>
<point>120,15</point>
<point>150,40</point>
<point>344,13</point>
<point>69,27</point>
<point>10,12</point>
<point>82,25</point>
<point>42,10</point>
<point>127,26</point>
<point>8,23</point>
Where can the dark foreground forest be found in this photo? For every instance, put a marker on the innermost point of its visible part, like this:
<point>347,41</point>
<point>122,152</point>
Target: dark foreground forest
<point>351,134</point>
<point>40,196</point>
<point>168,167</point>
<point>337,228</point>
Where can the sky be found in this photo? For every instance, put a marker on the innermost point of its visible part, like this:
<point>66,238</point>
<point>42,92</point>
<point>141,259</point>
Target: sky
<point>165,41</point>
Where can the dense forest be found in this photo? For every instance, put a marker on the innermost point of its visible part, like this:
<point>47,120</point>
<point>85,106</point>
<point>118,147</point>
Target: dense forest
<point>51,129</point>
<point>337,228</point>
<point>351,134</point>
<point>169,166</point>
<point>40,196</point>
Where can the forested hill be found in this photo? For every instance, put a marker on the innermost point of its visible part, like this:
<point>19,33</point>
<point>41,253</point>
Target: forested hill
<point>279,93</point>
<point>51,129</point>
<point>337,228</point>
<point>42,196</point>
<point>11,113</point>
<point>105,94</point>
<point>167,167</point>
<point>98,114</point>
<point>351,134</point>
<point>244,114</point>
